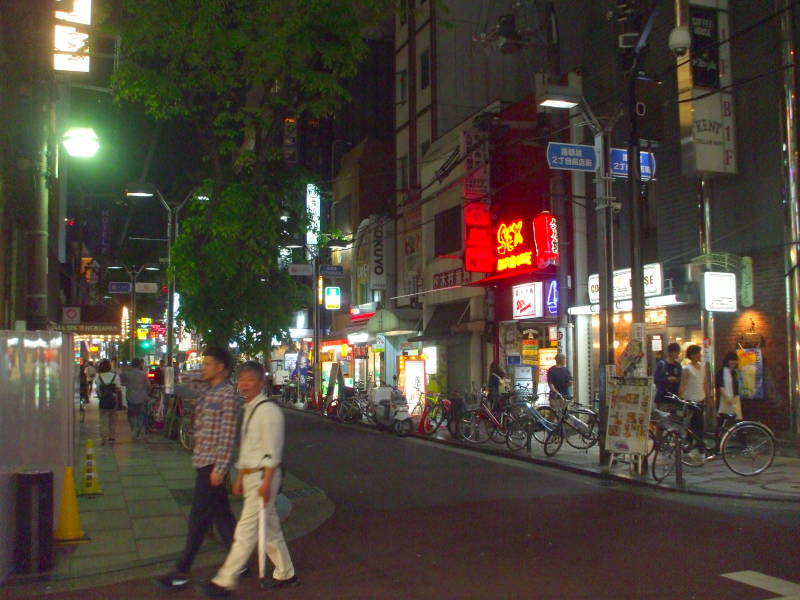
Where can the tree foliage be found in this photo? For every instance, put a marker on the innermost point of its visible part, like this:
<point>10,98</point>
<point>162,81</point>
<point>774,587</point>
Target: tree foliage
<point>233,71</point>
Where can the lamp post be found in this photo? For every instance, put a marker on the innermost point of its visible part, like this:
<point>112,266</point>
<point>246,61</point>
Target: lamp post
<point>316,287</point>
<point>561,97</point>
<point>133,274</point>
<point>139,190</point>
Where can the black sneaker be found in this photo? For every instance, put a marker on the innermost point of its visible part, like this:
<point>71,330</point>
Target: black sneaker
<point>278,584</point>
<point>173,581</point>
<point>212,590</point>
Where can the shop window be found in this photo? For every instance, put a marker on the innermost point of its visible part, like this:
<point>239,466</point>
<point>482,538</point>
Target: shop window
<point>402,173</point>
<point>447,232</point>
<point>400,87</point>
<point>342,211</point>
<point>424,69</point>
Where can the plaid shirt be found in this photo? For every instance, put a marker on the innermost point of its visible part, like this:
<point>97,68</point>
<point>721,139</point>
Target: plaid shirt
<point>215,413</point>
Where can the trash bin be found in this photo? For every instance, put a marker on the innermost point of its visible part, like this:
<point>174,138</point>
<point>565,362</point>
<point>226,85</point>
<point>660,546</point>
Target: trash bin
<point>33,548</point>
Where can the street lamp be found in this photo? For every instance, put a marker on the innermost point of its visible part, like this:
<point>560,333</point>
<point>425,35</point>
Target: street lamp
<point>563,97</point>
<point>81,142</point>
<point>313,252</point>
<point>133,274</point>
<point>144,190</point>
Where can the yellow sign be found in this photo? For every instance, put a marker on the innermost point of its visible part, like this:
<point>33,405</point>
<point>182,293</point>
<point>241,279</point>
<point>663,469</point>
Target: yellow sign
<point>141,334</point>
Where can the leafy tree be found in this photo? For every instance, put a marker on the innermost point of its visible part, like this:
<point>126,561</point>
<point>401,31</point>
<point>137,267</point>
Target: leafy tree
<point>234,71</point>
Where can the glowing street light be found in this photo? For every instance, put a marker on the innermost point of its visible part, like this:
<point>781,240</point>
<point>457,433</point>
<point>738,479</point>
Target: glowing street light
<point>81,142</point>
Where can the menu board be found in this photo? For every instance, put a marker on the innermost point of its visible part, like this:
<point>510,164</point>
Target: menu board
<point>630,401</point>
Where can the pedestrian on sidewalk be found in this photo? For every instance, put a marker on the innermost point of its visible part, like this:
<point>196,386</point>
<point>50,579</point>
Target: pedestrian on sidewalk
<point>695,388</point>
<point>215,412</point>
<point>108,393</point>
<point>727,384</point>
<point>90,373</point>
<point>137,390</point>
<point>259,479</point>
<point>667,377</point>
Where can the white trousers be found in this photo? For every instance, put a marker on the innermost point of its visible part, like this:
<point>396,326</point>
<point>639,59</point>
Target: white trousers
<point>245,538</point>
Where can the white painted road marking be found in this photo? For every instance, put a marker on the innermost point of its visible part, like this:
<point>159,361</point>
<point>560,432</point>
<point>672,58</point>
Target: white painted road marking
<point>786,589</point>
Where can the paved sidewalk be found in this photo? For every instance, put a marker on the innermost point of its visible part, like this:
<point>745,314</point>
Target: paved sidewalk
<point>140,520</point>
<point>781,482</point>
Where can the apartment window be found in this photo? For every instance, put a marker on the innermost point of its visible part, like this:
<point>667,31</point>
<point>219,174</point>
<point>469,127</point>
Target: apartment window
<point>402,173</point>
<point>447,232</point>
<point>424,69</point>
<point>400,87</point>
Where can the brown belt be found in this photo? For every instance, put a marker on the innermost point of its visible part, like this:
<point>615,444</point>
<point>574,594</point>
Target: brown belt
<point>249,471</point>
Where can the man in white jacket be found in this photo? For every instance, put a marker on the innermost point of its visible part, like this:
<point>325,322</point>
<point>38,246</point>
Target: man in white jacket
<point>259,478</point>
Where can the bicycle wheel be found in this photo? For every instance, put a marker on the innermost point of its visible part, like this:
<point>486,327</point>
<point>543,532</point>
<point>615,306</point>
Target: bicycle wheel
<point>497,434</point>
<point>452,422</point>
<point>432,420</point>
<point>540,431</point>
<point>553,441</point>
<point>748,448</point>
<point>472,428</point>
<point>347,411</point>
<point>519,430</point>
<point>664,456</point>
<point>185,433</point>
<point>582,428</point>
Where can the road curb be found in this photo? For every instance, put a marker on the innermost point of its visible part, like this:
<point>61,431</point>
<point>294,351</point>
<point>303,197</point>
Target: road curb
<point>597,474</point>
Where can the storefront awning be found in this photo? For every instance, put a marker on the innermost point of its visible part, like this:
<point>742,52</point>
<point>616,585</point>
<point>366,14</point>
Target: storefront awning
<point>352,333</point>
<point>445,317</point>
<point>398,321</point>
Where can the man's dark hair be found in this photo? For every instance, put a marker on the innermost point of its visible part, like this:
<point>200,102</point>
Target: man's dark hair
<point>673,347</point>
<point>253,366</point>
<point>692,350</point>
<point>219,354</point>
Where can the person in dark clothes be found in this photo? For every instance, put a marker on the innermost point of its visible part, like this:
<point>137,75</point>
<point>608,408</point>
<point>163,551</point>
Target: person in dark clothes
<point>667,376</point>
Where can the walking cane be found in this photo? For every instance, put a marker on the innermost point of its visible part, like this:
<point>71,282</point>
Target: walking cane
<point>262,539</point>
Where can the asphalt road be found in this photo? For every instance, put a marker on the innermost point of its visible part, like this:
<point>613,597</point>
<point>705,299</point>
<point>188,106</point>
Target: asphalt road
<point>420,520</point>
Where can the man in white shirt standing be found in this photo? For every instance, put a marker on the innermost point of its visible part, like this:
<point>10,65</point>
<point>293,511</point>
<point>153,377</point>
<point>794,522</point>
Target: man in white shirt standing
<point>259,478</point>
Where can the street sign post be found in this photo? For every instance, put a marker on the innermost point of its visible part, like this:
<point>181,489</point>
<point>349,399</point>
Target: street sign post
<point>301,270</point>
<point>119,287</point>
<point>619,164</point>
<point>571,157</point>
<point>331,270</point>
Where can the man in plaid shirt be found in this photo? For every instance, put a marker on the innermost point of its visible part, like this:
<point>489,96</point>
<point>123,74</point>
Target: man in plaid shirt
<point>215,412</point>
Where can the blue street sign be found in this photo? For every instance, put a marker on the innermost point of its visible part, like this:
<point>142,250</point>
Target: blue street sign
<point>619,164</point>
<point>331,270</point>
<point>119,287</point>
<point>571,157</point>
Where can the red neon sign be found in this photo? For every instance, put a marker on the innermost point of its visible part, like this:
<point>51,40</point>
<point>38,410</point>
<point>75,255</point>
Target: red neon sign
<point>510,239</point>
<point>477,238</point>
<point>545,229</point>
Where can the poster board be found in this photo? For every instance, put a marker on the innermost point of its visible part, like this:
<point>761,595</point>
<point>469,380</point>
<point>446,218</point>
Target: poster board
<point>630,402</point>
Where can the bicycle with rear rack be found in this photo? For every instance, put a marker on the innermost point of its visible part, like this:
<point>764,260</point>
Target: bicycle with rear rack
<point>747,447</point>
<point>354,408</point>
<point>578,425</point>
<point>483,423</point>
<point>435,407</point>
<point>533,420</point>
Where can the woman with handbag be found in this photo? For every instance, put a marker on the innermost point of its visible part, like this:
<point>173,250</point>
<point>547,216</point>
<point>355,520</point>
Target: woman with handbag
<point>727,384</point>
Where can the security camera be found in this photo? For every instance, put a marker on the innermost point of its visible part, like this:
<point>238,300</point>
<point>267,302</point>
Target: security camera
<point>680,41</point>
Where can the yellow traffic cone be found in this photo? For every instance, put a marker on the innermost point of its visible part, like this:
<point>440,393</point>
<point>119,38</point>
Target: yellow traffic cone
<point>69,521</point>
<point>90,484</point>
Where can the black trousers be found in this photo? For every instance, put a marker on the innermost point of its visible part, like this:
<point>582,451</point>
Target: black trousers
<point>210,505</point>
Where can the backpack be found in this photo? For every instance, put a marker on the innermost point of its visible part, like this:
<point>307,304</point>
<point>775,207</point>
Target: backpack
<point>107,393</point>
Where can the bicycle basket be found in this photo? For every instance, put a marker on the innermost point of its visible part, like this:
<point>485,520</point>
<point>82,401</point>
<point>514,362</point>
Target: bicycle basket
<point>677,421</point>
<point>472,401</point>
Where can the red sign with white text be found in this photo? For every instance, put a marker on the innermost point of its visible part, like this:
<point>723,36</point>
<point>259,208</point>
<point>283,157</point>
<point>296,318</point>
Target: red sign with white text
<point>545,231</point>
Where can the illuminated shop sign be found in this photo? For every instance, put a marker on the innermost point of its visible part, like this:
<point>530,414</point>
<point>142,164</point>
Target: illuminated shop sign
<point>551,297</point>
<point>526,245</point>
<point>653,283</point>
<point>545,232</point>
<point>478,255</point>
<point>527,300</point>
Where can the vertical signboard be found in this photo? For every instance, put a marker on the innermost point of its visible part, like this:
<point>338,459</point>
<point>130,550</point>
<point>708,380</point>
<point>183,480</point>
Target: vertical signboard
<point>708,136</point>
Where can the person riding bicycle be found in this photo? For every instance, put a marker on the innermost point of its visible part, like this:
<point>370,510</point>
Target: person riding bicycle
<point>667,377</point>
<point>559,379</point>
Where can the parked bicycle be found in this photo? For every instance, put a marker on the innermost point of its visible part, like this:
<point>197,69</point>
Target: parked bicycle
<point>186,425</point>
<point>747,447</point>
<point>576,424</point>
<point>532,420</point>
<point>484,423</point>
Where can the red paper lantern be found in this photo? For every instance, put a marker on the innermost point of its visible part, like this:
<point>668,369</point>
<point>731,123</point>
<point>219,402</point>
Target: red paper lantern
<point>545,232</point>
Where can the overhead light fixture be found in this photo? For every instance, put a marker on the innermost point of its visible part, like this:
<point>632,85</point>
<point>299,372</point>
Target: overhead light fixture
<point>139,190</point>
<point>559,96</point>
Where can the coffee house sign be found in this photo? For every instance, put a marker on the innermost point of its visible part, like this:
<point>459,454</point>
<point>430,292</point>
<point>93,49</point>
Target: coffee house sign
<point>653,283</point>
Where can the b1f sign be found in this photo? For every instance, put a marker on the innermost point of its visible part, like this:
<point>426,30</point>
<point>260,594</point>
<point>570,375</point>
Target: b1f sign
<point>527,300</point>
<point>719,291</point>
<point>333,298</point>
